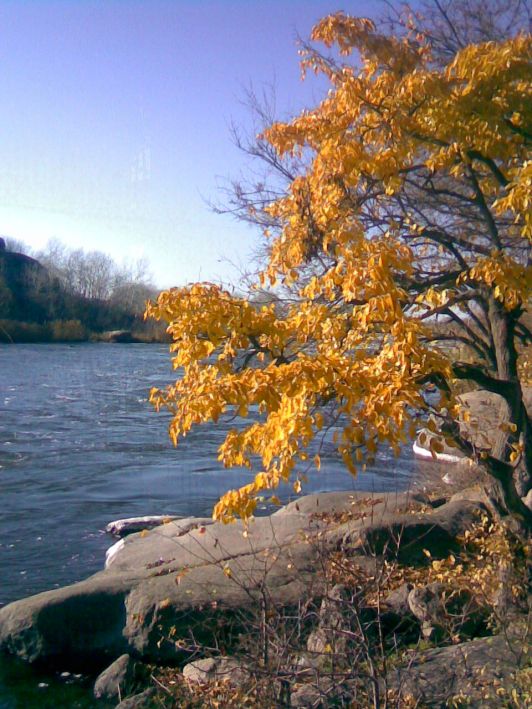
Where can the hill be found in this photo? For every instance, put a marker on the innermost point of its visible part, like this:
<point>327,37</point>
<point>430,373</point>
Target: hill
<point>35,306</point>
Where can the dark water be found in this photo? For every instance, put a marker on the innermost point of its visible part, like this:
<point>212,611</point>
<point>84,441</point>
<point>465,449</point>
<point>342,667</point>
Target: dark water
<point>80,446</point>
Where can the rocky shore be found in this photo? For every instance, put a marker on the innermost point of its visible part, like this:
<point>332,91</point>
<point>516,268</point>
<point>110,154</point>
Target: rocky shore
<point>334,599</point>
<point>184,591</point>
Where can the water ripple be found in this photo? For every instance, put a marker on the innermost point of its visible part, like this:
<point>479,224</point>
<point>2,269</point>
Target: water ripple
<point>80,445</point>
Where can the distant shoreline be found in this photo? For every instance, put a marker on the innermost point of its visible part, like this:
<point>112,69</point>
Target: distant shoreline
<point>21,333</point>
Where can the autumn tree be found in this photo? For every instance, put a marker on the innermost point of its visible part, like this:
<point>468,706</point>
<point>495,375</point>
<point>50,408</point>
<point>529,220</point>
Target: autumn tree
<point>411,209</point>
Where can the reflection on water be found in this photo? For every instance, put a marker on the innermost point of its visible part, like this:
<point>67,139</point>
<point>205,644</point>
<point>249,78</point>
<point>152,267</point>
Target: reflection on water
<point>80,446</point>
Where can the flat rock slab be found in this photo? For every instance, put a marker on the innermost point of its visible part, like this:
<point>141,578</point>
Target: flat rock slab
<point>473,669</point>
<point>163,585</point>
<point>407,536</point>
<point>188,583</point>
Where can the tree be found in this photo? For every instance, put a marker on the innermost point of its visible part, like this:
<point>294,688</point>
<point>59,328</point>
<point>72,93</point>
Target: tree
<point>413,208</point>
<point>95,275</point>
<point>16,246</point>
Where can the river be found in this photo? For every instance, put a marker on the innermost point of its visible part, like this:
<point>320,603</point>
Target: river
<point>80,446</point>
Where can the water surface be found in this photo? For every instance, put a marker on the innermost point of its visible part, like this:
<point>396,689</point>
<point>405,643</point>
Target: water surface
<point>80,445</point>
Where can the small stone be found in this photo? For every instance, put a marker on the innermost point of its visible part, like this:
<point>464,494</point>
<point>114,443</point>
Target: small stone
<point>426,603</point>
<point>212,669</point>
<point>137,701</point>
<point>318,642</point>
<point>397,600</point>
<point>119,679</point>
<point>308,695</point>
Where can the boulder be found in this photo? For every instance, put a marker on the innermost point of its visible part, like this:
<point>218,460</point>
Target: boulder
<point>405,537</point>
<point>308,696</point>
<point>180,526</point>
<point>188,582</point>
<point>143,700</point>
<point>334,620</point>
<point>397,600</point>
<point>363,505</point>
<point>216,669</point>
<point>167,589</point>
<point>121,678</point>
<point>476,670</point>
<point>78,625</point>
<point>320,694</point>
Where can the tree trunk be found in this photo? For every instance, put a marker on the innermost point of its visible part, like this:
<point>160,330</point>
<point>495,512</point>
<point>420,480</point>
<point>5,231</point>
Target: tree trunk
<point>502,325</point>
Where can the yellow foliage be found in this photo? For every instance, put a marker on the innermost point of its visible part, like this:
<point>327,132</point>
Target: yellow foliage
<point>355,336</point>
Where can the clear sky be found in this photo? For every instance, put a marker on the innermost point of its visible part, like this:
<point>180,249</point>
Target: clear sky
<point>115,114</point>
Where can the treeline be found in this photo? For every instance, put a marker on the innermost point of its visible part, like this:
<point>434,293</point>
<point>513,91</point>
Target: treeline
<point>62,294</point>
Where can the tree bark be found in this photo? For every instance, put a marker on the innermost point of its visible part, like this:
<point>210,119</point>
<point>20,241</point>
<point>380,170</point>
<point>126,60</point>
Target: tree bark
<point>503,333</point>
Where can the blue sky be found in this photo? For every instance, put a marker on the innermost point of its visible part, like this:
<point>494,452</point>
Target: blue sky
<point>115,121</point>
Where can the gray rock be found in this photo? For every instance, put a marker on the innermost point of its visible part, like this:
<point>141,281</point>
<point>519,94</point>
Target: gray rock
<point>80,622</point>
<point>308,696</point>
<point>322,694</point>
<point>407,536</point>
<point>143,700</point>
<point>215,669</point>
<point>334,621</point>
<point>427,606</point>
<point>471,669</point>
<point>308,663</point>
<point>169,589</point>
<point>169,531</point>
<point>160,585</point>
<point>319,643</point>
<point>397,600</point>
<point>442,611</point>
<point>366,505</point>
<point>458,516</point>
<point>119,679</point>
<point>477,494</point>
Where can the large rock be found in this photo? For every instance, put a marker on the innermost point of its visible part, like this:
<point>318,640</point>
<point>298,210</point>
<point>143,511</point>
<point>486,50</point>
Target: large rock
<point>168,589</point>
<point>397,600</point>
<point>427,606</point>
<point>408,536</point>
<point>475,669</point>
<point>320,694</point>
<point>187,583</point>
